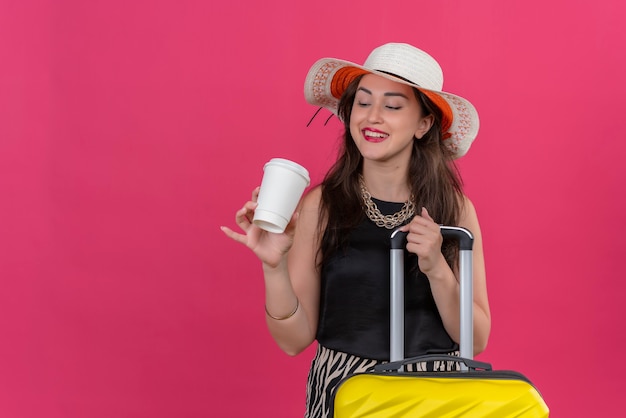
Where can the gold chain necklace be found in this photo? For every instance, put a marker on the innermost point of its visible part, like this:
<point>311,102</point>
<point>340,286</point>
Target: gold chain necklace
<point>387,221</point>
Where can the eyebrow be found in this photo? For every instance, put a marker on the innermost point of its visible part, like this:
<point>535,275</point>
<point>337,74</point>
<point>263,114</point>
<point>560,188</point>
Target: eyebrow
<point>387,94</point>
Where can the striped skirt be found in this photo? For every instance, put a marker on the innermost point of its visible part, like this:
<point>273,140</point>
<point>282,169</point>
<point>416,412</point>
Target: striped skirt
<point>329,367</point>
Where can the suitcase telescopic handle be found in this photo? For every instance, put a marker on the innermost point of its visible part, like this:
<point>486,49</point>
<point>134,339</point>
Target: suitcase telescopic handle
<point>398,243</point>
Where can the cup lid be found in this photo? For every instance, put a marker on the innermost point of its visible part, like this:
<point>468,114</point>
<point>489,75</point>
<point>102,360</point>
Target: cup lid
<point>291,165</point>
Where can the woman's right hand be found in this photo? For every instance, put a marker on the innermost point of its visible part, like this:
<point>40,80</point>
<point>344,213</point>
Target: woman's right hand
<point>270,248</point>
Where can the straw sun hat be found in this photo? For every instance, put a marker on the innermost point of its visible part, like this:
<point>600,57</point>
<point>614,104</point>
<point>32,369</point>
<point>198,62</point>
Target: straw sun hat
<point>328,78</point>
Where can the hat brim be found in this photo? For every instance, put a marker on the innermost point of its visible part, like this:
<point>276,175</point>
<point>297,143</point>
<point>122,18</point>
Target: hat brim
<point>328,78</point>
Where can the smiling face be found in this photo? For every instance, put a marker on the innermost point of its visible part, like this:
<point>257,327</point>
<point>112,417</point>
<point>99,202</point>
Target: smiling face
<point>385,119</point>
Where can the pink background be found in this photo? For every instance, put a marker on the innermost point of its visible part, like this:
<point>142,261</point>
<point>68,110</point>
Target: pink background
<point>131,130</point>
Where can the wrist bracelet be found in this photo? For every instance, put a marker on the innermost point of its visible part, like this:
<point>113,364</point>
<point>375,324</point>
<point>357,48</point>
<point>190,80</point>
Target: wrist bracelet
<point>281,318</point>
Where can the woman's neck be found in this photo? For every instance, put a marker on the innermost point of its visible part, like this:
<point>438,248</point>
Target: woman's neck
<point>387,183</point>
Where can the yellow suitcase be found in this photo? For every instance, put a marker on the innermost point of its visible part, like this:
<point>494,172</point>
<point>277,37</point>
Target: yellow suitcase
<point>477,392</point>
<point>474,391</point>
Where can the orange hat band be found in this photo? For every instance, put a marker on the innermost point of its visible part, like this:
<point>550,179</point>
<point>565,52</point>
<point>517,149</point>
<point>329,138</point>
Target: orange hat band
<point>342,79</point>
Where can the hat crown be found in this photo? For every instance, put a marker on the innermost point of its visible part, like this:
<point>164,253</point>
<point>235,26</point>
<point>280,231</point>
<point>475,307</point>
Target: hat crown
<point>408,62</point>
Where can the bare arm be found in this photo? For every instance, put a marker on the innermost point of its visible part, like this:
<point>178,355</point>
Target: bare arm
<point>424,239</point>
<point>291,278</point>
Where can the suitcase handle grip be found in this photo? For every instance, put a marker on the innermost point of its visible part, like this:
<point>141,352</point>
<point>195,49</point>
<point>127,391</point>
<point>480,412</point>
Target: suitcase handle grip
<point>465,237</point>
<point>396,365</point>
<point>398,239</point>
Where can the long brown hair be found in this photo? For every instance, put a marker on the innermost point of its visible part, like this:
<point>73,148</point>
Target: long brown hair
<point>434,180</point>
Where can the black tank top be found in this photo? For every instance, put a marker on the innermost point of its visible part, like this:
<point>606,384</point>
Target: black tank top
<point>354,298</point>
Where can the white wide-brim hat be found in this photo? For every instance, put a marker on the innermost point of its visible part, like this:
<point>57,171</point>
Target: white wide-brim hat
<point>328,78</point>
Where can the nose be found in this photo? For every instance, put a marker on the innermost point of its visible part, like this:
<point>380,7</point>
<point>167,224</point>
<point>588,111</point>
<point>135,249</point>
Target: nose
<point>374,114</point>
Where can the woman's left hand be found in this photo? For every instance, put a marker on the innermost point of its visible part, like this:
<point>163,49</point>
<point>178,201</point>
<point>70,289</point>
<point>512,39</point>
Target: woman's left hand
<point>424,239</point>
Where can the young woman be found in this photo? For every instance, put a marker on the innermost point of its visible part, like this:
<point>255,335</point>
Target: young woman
<point>327,276</point>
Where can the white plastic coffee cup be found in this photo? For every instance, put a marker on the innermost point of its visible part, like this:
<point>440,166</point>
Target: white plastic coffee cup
<point>283,184</point>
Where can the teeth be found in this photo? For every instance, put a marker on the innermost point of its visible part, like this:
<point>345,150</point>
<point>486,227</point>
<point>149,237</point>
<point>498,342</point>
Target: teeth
<point>376,134</point>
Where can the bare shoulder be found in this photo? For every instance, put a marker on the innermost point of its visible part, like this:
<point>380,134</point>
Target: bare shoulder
<point>309,209</point>
<point>468,208</point>
<point>303,253</point>
<point>312,199</point>
<point>469,217</point>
